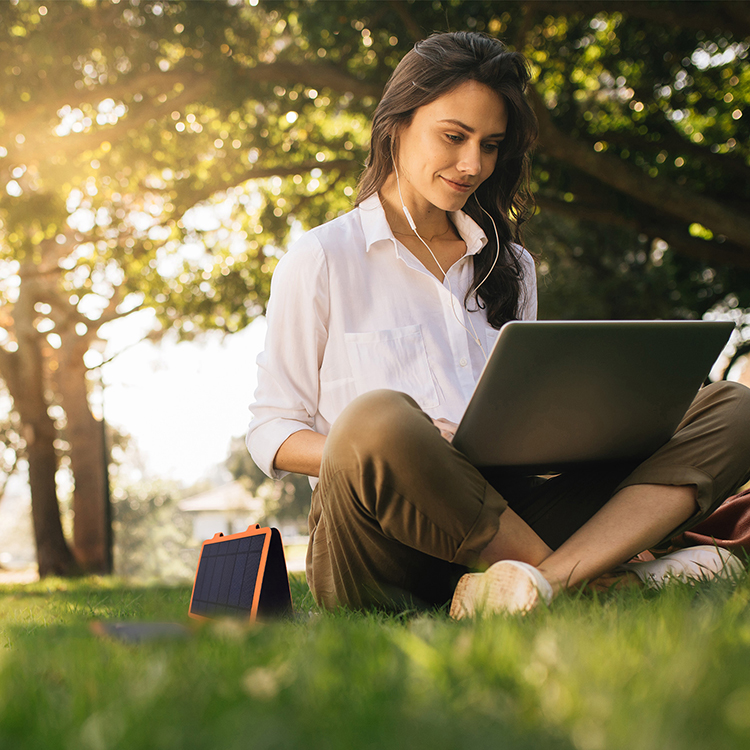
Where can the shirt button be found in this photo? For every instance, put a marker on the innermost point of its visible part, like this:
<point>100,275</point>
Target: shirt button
<point>463,362</point>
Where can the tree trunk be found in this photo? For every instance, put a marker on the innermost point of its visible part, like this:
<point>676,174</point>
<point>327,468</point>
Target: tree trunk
<point>87,458</point>
<point>23,371</point>
<point>53,554</point>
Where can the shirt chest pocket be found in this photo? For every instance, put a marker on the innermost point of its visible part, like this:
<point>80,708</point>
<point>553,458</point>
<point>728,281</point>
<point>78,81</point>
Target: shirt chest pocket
<point>394,359</point>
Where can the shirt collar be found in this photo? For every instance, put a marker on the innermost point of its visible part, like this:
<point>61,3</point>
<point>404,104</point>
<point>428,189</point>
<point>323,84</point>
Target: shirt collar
<point>378,232</point>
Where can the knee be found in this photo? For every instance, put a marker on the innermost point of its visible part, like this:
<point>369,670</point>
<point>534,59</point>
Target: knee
<point>375,422</point>
<point>732,401</point>
<point>730,394</point>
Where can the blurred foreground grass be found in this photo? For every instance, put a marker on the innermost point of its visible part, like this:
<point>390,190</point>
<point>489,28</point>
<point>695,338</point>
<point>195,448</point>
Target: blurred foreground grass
<point>629,669</point>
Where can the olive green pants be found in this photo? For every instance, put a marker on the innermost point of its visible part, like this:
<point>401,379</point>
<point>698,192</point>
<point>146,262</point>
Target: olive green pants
<point>399,514</point>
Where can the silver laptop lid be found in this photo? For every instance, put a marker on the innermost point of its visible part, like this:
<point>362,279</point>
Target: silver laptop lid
<point>556,394</point>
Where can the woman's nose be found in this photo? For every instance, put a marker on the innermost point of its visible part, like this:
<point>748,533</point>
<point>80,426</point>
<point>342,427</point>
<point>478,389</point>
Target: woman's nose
<point>470,162</point>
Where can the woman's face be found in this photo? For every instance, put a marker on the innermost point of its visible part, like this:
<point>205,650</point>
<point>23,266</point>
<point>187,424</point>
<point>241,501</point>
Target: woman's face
<point>450,146</point>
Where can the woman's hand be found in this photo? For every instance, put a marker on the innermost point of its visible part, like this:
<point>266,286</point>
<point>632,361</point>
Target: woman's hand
<point>447,428</point>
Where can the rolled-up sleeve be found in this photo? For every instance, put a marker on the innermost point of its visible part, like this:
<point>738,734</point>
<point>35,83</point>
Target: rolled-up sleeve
<point>286,398</point>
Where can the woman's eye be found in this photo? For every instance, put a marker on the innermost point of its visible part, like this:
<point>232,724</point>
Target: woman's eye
<point>453,138</point>
<point>490,147</point>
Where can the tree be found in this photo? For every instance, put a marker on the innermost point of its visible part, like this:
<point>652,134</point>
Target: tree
<point>153,537</point>
<point>120,120</point>
<point>288,499</point>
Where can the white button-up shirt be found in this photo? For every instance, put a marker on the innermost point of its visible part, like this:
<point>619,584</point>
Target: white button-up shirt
<point>351,310</point>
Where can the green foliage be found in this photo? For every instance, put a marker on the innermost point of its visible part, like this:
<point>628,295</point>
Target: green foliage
<point>285,499</point>
<point>262,111</point>
<point>589,271</point>
<point>152,538</point>
<point>617,671</point>
<point>160,155</point>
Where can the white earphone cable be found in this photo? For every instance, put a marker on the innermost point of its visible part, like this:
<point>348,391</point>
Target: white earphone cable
<point>472,333</point>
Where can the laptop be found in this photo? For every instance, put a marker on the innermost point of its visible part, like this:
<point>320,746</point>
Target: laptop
<point>560,394</point>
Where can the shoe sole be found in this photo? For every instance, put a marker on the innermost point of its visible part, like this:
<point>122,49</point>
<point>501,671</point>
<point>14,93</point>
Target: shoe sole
<point>502,588</point>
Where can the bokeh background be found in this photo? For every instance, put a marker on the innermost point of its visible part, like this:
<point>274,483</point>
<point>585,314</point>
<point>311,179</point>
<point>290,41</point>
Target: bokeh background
<point>157,156</point>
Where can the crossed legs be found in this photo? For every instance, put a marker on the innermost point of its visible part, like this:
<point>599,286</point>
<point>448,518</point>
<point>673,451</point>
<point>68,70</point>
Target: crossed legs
<point>399,514</point>
<point>636,518</point>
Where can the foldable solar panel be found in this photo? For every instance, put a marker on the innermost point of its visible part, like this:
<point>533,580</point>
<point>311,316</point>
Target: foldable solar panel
<point>242,575</point>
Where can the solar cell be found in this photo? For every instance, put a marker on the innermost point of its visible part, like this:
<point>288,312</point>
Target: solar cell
<point>241,575</point>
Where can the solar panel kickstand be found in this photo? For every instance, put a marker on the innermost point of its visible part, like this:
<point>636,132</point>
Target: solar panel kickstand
<point>275,594</point>
<point>242,575</point>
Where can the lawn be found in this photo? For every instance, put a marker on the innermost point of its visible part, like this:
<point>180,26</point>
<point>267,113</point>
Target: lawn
<point>629,669</point>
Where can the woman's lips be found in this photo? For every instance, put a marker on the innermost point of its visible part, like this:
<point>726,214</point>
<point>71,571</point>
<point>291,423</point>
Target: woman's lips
<point>459,187</point>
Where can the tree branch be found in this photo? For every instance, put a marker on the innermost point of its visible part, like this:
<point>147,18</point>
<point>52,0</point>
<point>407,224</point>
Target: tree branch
<point>674,233</point>
<point>199,87</point>
<point>63,314</point>
<point>127,347</point>
<point>45,147</point>
<point>413,29</point>
<point>316,75</point>
<point>21,120</point>
<point>671,142</point>
<point>729,16</point>
<point>110,313</point>
<point>654,191</point>
<point>209,188</point>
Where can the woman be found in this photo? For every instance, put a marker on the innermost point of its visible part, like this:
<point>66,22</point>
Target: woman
<point>379,323</point>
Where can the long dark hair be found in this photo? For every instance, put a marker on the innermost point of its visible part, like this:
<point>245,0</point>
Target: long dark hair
<point>434,67</point>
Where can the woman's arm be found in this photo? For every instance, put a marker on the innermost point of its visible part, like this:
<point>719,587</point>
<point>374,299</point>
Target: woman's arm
<point>286,398</point>
<point>301,452</point>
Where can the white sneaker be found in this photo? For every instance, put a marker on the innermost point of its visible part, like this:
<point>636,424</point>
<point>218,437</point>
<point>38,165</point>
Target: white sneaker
<point>701,563</point>
<point>508,586</point>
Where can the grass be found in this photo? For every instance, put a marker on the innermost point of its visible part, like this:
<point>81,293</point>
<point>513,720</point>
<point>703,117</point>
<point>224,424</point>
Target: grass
<point>627,669</point>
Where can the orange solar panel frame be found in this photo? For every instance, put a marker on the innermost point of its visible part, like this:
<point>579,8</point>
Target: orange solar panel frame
<point>239,587</point>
